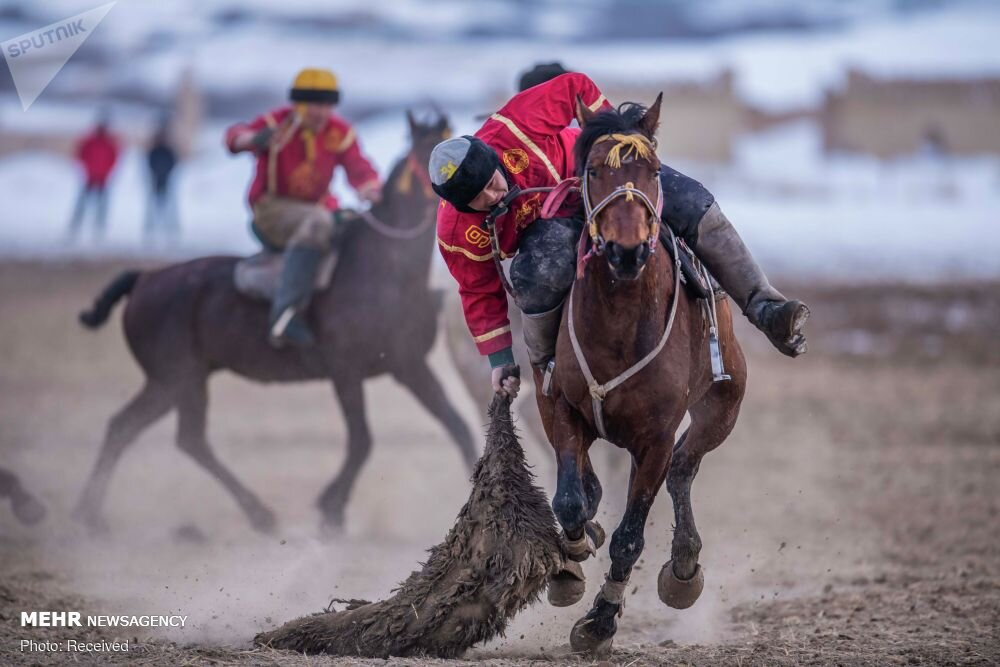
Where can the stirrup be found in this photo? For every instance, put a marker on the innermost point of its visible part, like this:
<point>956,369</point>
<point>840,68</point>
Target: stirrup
<point>290,329</point>
<point>719,373</point>
<point>281,324</point>
<point>547,377</point>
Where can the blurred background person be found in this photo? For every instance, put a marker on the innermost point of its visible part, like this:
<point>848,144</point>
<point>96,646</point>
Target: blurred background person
<point>161,210</point>
<point>97,152</point>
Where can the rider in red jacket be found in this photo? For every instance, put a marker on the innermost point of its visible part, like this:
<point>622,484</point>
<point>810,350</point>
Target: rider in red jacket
<point>297,148</point>
<point>304,173</point>
<point>97,152</point>
<point>527,144</point>
<point>531,139</point>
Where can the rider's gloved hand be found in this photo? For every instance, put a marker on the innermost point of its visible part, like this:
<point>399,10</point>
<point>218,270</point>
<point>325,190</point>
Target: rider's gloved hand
<point>261,141</point>
<point>371,192</point>
<point>506,380</point>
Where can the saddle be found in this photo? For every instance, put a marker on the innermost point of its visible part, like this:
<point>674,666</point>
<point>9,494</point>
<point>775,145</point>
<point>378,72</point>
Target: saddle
<point>257,276</point>
<point>700,284</point>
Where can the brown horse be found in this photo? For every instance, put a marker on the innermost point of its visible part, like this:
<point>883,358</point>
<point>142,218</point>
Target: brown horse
<point>625,310</point>
<point>186,321</point>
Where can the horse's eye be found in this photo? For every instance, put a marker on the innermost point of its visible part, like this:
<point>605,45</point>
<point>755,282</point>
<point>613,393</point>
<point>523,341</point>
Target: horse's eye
<point>591,171</point>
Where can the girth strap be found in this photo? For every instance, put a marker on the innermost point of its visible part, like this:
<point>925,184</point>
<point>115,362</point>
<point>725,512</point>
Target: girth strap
<point>599,391</point>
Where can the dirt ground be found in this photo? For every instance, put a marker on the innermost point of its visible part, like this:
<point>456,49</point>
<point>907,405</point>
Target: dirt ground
<point>851,519</point>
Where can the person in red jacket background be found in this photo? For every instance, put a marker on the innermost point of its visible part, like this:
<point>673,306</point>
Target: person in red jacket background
<point>297,148</point>
<point>528,144</point>
<point>97,152</point>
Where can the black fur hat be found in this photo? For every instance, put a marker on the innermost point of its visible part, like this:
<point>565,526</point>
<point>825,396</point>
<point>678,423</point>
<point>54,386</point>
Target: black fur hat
<point>460,168</point>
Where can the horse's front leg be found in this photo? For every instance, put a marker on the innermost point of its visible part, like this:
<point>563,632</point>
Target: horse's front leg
<point>594,632</point>
<point>571,438</point>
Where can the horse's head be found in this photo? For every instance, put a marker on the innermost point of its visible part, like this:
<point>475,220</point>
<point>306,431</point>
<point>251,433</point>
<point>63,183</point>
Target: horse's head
<point>424,136</point>
<point>620,180</point>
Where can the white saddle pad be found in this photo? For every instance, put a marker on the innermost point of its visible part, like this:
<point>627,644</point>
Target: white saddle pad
<point>257,276</point>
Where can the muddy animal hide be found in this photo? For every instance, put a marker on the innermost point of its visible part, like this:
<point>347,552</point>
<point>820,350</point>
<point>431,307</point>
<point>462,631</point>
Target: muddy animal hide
<point>494,562</point>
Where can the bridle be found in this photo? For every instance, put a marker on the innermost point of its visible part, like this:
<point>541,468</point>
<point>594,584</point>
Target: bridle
<point>632,144</point>
<point>642,148</point>
<point>407,233</point>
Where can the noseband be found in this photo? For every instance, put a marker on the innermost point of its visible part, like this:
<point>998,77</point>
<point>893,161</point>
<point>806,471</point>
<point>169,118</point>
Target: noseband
<point>631,144</point>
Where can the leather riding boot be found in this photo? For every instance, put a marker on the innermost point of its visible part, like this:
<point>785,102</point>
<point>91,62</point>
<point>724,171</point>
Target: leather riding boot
<point>540,333</point>
<point>298,276</point>
<point>722,250</point>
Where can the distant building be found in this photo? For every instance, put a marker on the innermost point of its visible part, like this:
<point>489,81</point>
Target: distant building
<point>699,121</point>
<point>892,117</point>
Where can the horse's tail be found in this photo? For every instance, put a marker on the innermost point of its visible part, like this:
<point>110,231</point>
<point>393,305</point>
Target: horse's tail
<point>106,300</point>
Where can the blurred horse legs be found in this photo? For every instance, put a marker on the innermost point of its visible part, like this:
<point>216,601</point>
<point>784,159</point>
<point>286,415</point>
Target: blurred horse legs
<point>192,408</point>
<point>425,387</point>
<point>333,500</point>
<point>27,508</point>
<point>152,402</point>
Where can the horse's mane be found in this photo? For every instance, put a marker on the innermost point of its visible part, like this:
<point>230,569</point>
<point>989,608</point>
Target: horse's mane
<point>388,188</point>
<point>623,120</point>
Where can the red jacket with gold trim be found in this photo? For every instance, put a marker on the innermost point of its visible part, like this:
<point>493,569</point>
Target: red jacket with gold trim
<point>306,161</point>
<point>531,136</point>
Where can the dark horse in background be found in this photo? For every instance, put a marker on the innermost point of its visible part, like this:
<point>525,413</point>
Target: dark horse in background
<point>186,321</point>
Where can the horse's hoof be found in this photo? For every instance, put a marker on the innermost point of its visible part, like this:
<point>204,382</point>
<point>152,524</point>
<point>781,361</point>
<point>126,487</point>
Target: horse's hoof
<point>583,640</point>
<point>27,509</point>
<point>679,593</point>
<point>263,521</point>
<point>581,549</point>
<point>94,522</point>
<point>332,526</point>
<point>568,586</point>
<point>597,534</point>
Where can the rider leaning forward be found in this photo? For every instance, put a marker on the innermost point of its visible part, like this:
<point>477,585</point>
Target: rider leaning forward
<point>298,147</point>
<point>528,144</point>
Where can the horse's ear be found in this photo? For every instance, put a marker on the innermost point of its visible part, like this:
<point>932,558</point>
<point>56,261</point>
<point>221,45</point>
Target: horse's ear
<point>651,120</point>
<point>414,127</point>
<point>443,126</point>
<point>583,113</point>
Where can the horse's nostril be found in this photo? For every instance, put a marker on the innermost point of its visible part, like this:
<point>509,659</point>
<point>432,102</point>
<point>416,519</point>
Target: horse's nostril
<point>642,253</point>
<point>614,253</point>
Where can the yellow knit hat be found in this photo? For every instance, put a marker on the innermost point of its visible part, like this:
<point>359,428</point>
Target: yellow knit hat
<point>315,85</point>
